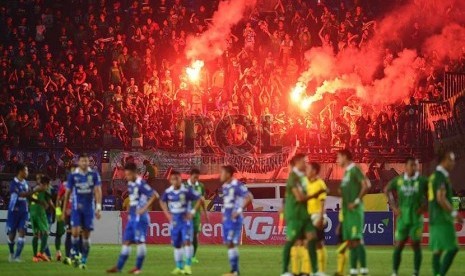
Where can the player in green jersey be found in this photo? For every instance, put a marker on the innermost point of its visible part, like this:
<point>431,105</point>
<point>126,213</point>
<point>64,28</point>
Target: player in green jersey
<point>410,190</point>
<point>443,237</point>
<point>194,183</point>
<point>38,203</point>
<point>354,186</point>
<point>298,223</point>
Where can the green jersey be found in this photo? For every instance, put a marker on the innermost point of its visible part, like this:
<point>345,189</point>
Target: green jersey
<point>200,189</point>
<point>36,204</point>
<point>439,180</point>
<point>351,185</point>
<point>411,196</point>
<point>293,209</point>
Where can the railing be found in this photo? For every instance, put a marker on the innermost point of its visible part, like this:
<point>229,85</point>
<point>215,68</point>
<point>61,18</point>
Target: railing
<point>454,83</point>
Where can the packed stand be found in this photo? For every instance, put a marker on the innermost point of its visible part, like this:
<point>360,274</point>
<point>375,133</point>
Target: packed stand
<point>105,73</point>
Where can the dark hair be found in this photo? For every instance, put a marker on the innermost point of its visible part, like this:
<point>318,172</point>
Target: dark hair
<point>229,169</point>
<point>130,167</point>
<point>175,173</point>
<point>315,166</point>
<point>20,167</point>
<point>83,155</point>
<point>410,158</point>
<point>443,155</point>
<point>346,153</point>
<point>194,171</point>
<point>44,179</point>
<point>297,157</point>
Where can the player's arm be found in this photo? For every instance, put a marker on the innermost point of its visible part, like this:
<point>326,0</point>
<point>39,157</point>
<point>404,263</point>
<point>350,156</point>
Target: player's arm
<point>441,198</point>
<point>424,204</point>
<point>64,203</point>
<point>164,208</point>
<point>98,195</point>
<point>151,194</point>
<point>365,185</point>
<point>247,199</point>
<point>388,191</point>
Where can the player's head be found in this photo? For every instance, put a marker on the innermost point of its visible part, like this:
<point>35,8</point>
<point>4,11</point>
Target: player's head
<point>44,180</point>
<point>22,171</point>
<point>298,161</point>
<point>39,177</point>
<point>194,175</point>
<point>227,173</point>
<point>175,179</point>
<point>313,169</point>
<point>344,157</point>
<point>130,171</point>
<point>447,159</point>
<point>83,161</point>
<point>411,166</point>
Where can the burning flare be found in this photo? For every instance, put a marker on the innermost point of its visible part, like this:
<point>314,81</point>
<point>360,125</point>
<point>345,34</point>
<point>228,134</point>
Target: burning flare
<point>193,71</point>
<point>298,92</point>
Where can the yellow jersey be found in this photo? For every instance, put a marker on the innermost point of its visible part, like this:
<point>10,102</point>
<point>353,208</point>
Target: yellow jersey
<point>313,187</point>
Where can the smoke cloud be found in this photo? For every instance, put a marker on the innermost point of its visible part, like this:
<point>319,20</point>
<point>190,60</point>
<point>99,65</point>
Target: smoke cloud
<point>432,26</point>
<point>212,43</point>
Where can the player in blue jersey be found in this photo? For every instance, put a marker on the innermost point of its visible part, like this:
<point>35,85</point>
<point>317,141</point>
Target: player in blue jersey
<point>235,198</point>
<point>84,187</point>
<point>18,213</point>
<point>141,197</point>
<point>175,203</point>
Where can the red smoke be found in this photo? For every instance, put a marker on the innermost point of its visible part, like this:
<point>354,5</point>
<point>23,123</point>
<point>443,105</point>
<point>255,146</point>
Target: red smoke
<point>212,43</point>
<point>440,35</point>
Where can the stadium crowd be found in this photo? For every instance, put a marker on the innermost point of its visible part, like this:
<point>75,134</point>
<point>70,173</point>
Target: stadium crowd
<point>92,73</point>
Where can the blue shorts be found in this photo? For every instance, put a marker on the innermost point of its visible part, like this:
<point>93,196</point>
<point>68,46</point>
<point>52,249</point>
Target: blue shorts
<point>182,231</point>
<point>232,231</point>
<point>136,231</point>
<point>83,218</point>
<point>16,221</point>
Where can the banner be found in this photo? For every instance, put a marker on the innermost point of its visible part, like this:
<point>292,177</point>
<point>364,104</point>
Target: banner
<point>261,163</point>
<point>209,164</point>
<point>447,123</point>
<point>164,160</point>
<point>262,228</point>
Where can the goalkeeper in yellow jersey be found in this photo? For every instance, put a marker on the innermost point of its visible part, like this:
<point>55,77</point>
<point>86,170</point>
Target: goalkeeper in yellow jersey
<point>316,211</point>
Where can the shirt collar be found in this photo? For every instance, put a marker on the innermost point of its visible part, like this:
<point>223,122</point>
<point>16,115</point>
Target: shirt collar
<point>443,170</point>
<point>190,183</point>
<point>297,171</point>
<point>350,166</point>
<point>19,181</point>
<point>78,170</point>
<point>414,177</point>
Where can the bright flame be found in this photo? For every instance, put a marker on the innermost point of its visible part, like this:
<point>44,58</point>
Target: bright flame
<point>306,103</point>
<point>298,91</point>
<point>193,71</point>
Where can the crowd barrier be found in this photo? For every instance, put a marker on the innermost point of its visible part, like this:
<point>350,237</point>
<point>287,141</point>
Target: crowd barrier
<point>260,228</point>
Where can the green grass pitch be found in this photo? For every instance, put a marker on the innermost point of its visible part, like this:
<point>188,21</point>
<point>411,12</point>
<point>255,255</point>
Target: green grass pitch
<point>254,260</point>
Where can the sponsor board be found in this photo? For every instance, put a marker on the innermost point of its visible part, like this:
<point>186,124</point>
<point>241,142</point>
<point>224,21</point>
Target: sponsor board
<point>262,228</point>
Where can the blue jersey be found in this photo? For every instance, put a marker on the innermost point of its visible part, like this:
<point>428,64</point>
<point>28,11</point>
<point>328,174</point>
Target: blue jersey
<point>139,193</point>
<point>82,184</point>
<point>179,201</point>
<point>233,197</point>
<point>17,202</point>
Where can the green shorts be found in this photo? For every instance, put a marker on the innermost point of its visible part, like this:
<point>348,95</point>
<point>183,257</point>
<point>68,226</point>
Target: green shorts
<point>197,225</point>
<point>352,228</point>
<point>296,229</point>
<point>414,231</point>
<point>61,229</point>
<point>39,223</point>
<point>442,237</point>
